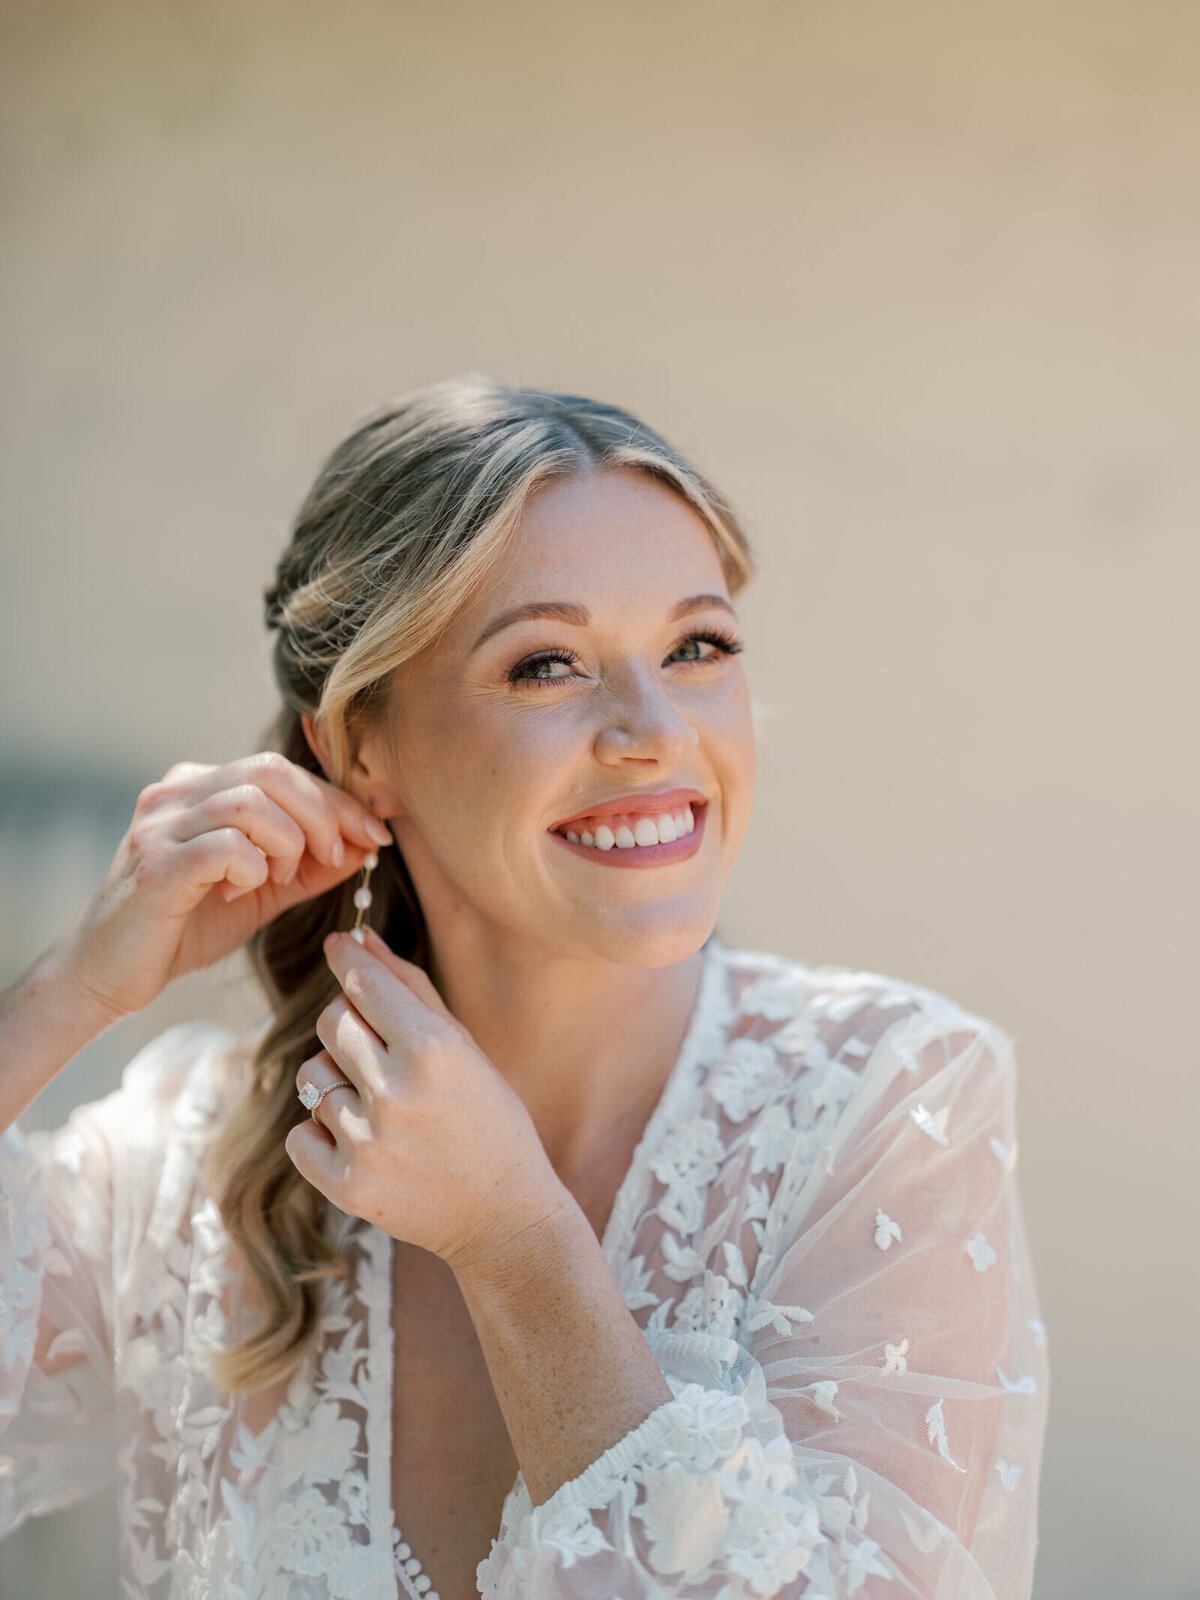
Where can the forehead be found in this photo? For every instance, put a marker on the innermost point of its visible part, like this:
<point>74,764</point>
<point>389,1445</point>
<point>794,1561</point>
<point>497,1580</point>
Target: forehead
<point>595,527</point>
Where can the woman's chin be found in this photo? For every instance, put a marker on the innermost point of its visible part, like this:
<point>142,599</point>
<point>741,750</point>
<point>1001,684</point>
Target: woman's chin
<point>643,939</point>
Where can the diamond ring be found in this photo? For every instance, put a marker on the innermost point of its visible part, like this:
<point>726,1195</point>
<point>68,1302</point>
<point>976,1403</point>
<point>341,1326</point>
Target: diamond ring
<point>311,1097</point>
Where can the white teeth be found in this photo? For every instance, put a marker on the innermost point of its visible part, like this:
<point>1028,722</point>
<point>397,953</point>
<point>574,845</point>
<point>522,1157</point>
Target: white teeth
<point>664,829</point>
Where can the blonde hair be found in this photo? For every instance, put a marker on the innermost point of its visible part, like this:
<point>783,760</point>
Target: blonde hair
<point>406,520</point>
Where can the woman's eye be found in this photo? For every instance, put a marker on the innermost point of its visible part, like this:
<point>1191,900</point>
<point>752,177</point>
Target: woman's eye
<point>524,671</point>
<point>528,671</point>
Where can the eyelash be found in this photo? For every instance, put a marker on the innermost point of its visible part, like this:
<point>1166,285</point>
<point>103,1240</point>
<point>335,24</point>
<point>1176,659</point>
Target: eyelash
<point>727,643</point>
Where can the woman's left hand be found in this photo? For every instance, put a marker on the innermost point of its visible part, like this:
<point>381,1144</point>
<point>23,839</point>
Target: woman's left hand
<point>431,1144</point>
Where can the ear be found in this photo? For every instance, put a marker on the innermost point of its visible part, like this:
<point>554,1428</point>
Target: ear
<point>367,780</point>
<point>318,742</point>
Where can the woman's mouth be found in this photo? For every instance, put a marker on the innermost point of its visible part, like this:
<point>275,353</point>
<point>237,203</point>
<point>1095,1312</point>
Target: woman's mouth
<point>638,840</point>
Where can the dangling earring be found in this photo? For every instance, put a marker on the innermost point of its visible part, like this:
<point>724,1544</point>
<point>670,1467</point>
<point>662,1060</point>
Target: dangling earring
<point>362,896</point>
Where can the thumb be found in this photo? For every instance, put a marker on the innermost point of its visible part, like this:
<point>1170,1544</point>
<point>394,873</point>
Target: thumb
<point>315,877</point>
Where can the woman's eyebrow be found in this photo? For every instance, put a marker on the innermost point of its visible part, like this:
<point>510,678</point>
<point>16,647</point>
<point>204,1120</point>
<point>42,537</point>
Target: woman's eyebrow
<point>565,611</point>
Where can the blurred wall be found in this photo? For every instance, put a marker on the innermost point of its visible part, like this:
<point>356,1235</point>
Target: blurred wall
<point>916,283</point>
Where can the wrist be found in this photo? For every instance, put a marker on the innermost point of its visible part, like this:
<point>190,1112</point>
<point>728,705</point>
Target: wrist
<point>45,1021</point>
<point>67,1004</point>
<point>523,1249</point>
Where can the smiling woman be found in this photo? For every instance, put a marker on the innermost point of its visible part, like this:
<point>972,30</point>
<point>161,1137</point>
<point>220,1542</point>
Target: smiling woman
<point>539,1232</point>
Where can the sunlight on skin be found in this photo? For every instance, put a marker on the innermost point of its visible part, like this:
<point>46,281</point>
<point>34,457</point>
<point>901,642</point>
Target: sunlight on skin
<point>575,979</point>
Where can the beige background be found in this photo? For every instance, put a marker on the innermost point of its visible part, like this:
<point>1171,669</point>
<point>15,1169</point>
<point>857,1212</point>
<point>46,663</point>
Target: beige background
<point>916,283</point>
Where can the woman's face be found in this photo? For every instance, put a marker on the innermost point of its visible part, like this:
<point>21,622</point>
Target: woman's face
<point>507,728</point>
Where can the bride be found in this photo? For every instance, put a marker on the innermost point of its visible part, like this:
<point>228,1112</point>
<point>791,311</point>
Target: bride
<point>536,1243</point>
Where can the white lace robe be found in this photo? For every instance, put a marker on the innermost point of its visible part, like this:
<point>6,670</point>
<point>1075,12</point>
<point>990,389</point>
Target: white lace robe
<point>819,1233</point>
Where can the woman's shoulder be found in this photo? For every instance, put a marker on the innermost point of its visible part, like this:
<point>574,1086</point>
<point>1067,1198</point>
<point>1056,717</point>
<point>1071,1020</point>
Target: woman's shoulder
<point>121,1183</point>
<point>155,1128</point>
<point>811,1056</point>
<point>812,1004</point>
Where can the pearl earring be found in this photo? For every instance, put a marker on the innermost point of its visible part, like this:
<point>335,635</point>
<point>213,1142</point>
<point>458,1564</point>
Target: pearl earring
<point>362,896</point>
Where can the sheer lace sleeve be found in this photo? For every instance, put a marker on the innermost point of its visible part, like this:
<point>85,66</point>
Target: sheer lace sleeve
<point>75,1206</point>
<point>858,1367</point>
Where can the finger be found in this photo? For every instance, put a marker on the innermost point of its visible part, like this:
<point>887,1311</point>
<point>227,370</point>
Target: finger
<point>320,1070</point>
<point>317,1157</point>
<point>263,821</point>
<point>313,877</point>
<point>342,1115</point>
<point>225,856</point>
<point>340,1103</point>
<point>353,1046</point>
<point>377,994</point>
<point>415,977</point>
<point>324,811</point>
<point>187,772</point>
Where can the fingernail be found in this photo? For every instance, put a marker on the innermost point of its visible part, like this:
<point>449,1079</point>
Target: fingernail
<point>379,831</point>
<point>339,851</point>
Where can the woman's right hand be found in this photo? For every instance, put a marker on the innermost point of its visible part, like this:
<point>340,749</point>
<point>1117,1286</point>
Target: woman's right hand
<point>212,853</point>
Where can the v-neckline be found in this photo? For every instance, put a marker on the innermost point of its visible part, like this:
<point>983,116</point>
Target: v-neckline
<point>411,1577</point>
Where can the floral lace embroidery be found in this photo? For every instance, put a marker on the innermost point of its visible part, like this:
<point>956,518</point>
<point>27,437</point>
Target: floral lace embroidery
<point>885,1230</point>
<point>980,1251</point>
<point>896,1357</point>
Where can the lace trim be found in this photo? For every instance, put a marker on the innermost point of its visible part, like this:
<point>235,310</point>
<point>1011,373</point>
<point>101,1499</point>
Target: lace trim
<point>411,1576</point>
<point>636,1184</point>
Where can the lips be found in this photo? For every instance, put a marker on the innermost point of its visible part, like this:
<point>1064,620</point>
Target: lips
<point>642,805</point>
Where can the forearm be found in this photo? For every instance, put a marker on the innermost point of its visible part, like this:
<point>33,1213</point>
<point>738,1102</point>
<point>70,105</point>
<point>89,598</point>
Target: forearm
<point>45,1021</point>
<point>570,1367</point>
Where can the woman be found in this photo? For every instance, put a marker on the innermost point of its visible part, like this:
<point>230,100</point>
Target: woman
<point>537,1240</point>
